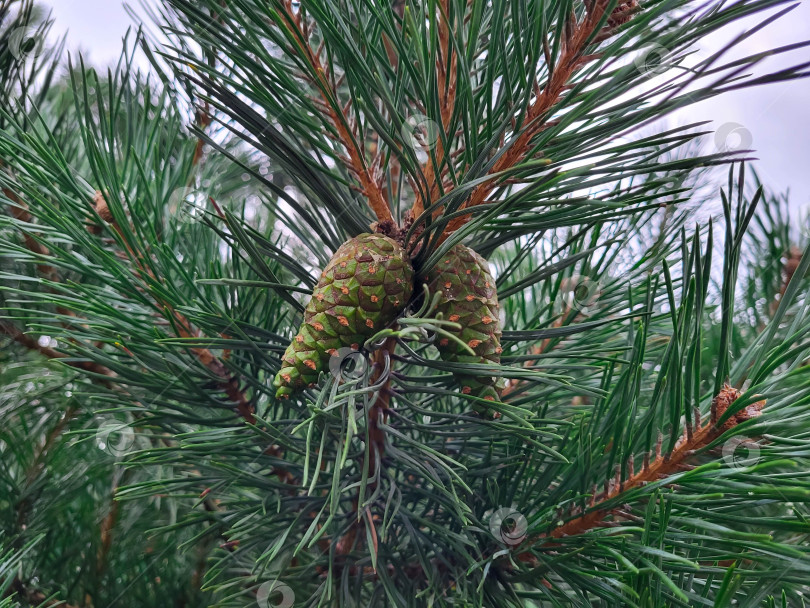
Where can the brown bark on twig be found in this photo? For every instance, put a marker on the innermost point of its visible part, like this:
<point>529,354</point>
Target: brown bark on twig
<point>446,76</point>
<point>228,383</point>
<point>571,59</point>
<point>661,467</point>
<point>356,159</point>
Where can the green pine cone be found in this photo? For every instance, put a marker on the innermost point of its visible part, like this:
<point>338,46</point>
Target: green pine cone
<point>365,286</point>
<point>469,298</point>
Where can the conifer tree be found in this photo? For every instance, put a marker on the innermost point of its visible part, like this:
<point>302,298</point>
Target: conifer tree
<point>398,304</point>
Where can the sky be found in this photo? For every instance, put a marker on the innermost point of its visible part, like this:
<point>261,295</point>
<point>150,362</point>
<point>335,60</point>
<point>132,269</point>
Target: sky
<point>773,118</point>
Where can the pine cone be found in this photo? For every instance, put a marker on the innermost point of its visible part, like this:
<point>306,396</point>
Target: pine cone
<point>469,298</point>
<point>365,286</point>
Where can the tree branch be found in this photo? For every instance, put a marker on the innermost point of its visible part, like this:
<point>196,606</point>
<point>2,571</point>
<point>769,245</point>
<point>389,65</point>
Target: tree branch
<point>228,383</point>
<point>571,58</point>
<point>446,76</point>
<point>661,467</point>
<point>357,162</point>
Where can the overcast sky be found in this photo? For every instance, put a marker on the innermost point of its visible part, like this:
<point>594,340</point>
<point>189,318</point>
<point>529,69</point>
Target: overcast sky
<point>775,116</point>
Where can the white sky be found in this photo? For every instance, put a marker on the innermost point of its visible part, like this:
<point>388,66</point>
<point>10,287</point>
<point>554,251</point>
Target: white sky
<point>775,115</point>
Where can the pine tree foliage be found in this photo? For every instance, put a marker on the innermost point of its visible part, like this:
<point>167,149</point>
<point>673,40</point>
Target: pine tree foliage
<point>160,234</point>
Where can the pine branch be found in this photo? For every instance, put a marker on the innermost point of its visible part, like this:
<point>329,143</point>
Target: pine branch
<point>574,42</point>
<point>228,382</point>
<point>357,162</point>
<point>21,213</point>
<point>396,505</point>
<point>662,466</point>
<point>446,78</point>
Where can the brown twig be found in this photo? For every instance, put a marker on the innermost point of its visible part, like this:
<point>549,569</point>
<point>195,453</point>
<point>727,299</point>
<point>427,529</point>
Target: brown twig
<point>228,383</point>
<point>24,507</point>
<point>660,467</point>
<point>571,58</point>
<point>446,76</point>
<point>356,159</point>
<point>20,212</point>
